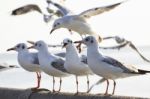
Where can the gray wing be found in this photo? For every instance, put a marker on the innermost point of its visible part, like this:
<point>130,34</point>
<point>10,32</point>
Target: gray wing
<point>25,9</point>
<point>2,67</point>
<point>118,64</point>
<point>84,59</point>
<point>59,64</point>
<point>61,54</point>
<point>61,8</point>
<point>35,58</point>
<point>116,46</point>
<point>118,39</point>
<point>97,10</point>
<point>134,48</point>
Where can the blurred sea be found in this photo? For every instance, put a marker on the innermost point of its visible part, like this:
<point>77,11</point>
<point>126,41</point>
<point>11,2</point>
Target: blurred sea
<point>132,86</point>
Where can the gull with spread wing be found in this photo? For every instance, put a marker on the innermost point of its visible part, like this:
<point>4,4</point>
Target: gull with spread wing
<point>78,22</point>
<point>34,7</point>
<point>122,43</point>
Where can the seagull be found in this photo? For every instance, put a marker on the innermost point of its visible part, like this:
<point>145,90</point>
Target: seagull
<point>28,61</point>
<point>51,64</point>
<point>75,64</point>
<point>30,8</point>
<point>5,66</point>
<point>105,66</point>
<point>34,7</point>
<point>78,22</point>
<point>122,43</point>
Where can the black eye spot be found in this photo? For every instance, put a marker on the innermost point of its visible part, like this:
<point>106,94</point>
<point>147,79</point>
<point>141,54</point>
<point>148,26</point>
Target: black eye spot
<point>92,41</point>
<point>87,39</point>
<point>23,47</point>
<point>18,46</point>
<point>58,23</point>
<point>40,45</point>
<point>35,44</point>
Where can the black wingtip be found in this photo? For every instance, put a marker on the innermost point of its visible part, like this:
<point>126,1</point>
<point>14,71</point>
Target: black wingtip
<point>143,71</point>
<point>14,12</point>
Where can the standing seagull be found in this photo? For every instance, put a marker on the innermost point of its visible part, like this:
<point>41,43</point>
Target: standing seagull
<point>51,64</point>
<point>105,66</point>
<point>78,22</point>
<point>28,61</point>
<point>74,63</point>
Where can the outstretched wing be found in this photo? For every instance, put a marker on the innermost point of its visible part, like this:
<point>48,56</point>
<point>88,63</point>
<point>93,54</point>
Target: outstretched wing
<point>116,47</point>
<point>25,9</point>
<point>62,9</point>
<point>97,10</point>
<point>59,65</point>
<point>134,48</point>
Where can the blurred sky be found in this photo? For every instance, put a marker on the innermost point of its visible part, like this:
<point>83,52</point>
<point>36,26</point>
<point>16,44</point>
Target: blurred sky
<point>130,20</point>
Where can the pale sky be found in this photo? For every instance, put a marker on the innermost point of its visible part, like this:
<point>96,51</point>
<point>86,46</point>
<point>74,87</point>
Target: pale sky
<point>130,20</point>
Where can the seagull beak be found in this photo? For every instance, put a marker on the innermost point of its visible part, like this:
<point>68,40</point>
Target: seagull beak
<point>100,39</point>
<point>31,47</point>
<point>78,42</point>
<point>31,42</point>
<point>64,45</point>
<point>52,31</point>
<point>11,49</point>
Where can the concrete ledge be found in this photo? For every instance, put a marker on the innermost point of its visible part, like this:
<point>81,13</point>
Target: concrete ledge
<point>12,93</point>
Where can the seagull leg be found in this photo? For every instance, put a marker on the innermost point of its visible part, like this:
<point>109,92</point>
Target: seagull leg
<point>106,92</point>
<point>38,82</point>
<point>53,84</point>
<point>79,47</point>
<point>38,79</point>
<point>114,88</point>
<point>88,82</point>
<point>60,84</point>
<point>77,84</point>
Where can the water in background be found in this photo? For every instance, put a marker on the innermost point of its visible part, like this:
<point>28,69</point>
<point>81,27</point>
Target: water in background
<point>133,86</point>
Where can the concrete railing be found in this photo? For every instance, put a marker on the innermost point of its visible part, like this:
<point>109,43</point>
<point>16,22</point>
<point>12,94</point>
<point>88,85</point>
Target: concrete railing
<point>11,93</point>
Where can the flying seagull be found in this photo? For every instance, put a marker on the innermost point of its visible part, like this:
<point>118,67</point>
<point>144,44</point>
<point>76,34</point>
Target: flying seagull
<point>78,22</point>
<point>122,43</point>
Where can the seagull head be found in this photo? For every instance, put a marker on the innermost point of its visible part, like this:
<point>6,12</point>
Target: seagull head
<point>67,42</point>
<point>39,45</point>
<point>19,47</point>
<point>88,41</point>
<point>56,25</point>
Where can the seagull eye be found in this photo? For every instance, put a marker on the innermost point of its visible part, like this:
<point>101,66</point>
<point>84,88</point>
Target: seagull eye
<point>18,46</point>
<point>58,23</point>
<point>35,44</point>
<point>87,39</point>
<point>23,47</point>
<point>40,45</point>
